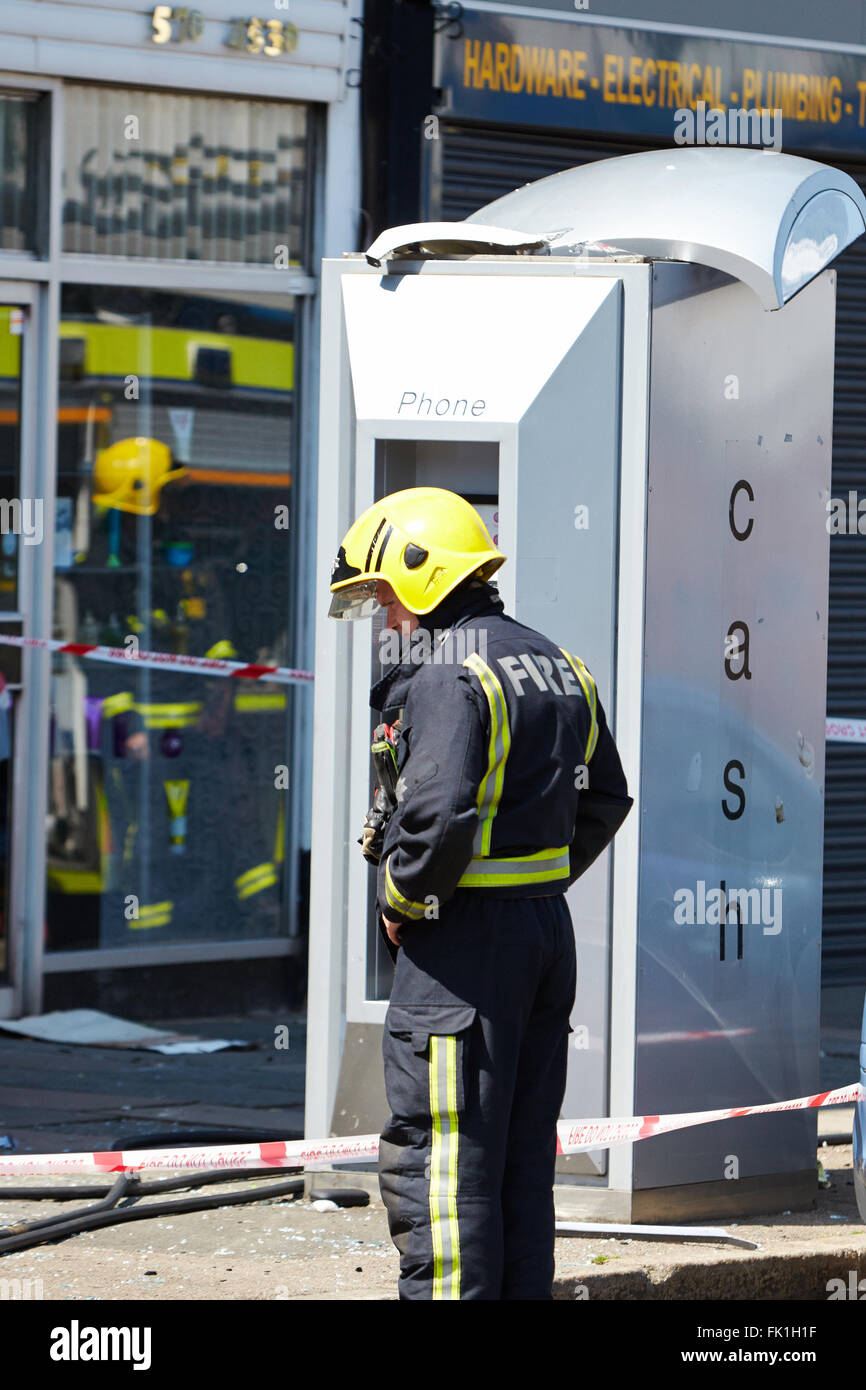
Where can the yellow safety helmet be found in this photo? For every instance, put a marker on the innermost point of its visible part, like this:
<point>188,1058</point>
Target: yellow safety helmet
<point>130,475</point>
<point>223,650</point>
<point>424,541</point>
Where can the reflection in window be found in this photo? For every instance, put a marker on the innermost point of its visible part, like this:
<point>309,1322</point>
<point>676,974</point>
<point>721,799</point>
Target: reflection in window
<point>167,815</point>
<point>12,505</point>
<point>18,204</point>
<point>186,177</point>
<point>17,515</point>
<point>7,720</point>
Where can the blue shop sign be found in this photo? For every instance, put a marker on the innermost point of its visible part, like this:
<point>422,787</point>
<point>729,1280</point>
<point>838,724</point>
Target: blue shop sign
<point>571,75</point>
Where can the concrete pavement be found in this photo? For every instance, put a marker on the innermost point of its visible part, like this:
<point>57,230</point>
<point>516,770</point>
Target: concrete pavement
<point>57,1097</point>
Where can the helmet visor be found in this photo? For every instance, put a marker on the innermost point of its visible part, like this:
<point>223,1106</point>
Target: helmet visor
<point>355,601</point>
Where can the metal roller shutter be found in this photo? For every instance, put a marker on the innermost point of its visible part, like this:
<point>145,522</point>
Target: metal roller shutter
<point>844,944</point>
<point>479,163</point>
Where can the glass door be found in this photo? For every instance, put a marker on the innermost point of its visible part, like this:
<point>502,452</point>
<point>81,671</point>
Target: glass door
<point>168,822</point>
<point>21,535</point>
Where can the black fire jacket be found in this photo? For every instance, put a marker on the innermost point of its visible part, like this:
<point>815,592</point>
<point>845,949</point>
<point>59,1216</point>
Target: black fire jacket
<point>509,779</point>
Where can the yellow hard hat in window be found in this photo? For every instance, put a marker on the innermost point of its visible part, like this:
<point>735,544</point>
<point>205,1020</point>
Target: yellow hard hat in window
<point>424,541</point>
<point>131,474</point>
<point>223,650</point>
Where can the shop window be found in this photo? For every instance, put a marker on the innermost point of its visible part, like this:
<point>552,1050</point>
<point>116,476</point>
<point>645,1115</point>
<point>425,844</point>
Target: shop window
<point>168,791</point>
<point>7,719</point>
<point>17,514</point>
<point>20,520</point>
<point>18,205</point>
<point>184,177</point>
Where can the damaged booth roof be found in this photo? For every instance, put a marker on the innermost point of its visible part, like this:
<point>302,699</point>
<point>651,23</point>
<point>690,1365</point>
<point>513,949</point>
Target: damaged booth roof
<point>769,219</point>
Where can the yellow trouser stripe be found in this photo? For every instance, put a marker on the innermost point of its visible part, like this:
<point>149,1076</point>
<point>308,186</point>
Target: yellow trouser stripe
<point>278,842</point>
<point>259,703</point>
<point>435,1167</point>
<point>254,880</point>
<point>170,716</point>
<point>444,1226</point>
<point>451,1049</point>
<point>255,872</point>
<point>151,915</point>
<point>588,687</point>
<point>490,789</point>
<point>117,704</point>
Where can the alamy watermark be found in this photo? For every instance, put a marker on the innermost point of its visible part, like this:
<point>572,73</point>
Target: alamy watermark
<point>441,647</point>
<point>21,1290</point>
<point>846,518</point>
<point>77,1343</point>
<point>701,906</point>
<point>854,1288</point>
<point>22,516</point>
<point>733,125</point>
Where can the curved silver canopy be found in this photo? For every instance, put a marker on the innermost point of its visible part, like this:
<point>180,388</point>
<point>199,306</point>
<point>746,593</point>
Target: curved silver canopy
<point>772,220</point>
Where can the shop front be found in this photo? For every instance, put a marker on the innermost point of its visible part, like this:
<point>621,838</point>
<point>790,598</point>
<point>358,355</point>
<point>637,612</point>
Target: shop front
<point>159,234</point>
<point>523,95</point>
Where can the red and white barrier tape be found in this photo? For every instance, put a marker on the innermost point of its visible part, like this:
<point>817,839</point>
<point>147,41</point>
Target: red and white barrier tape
<point>845,730</point>
<point>573,1136</point>
<point>837,730</point>
<point>205,665</point>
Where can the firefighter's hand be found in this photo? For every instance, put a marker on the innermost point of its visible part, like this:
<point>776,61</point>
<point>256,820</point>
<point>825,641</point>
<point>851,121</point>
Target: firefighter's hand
<point>394,930</point>
<point>375,825</point>
<point>371,842</point>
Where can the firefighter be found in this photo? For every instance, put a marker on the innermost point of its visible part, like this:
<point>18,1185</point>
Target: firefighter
<point>507,785</point>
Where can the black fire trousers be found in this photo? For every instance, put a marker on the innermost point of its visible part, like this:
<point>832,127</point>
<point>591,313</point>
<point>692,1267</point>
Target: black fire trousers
<point>475,1050</point>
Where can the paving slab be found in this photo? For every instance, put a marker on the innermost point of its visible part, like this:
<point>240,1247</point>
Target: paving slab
<point>286,1122</point>
<point>74,1098</point>
<point>282,1249</point>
